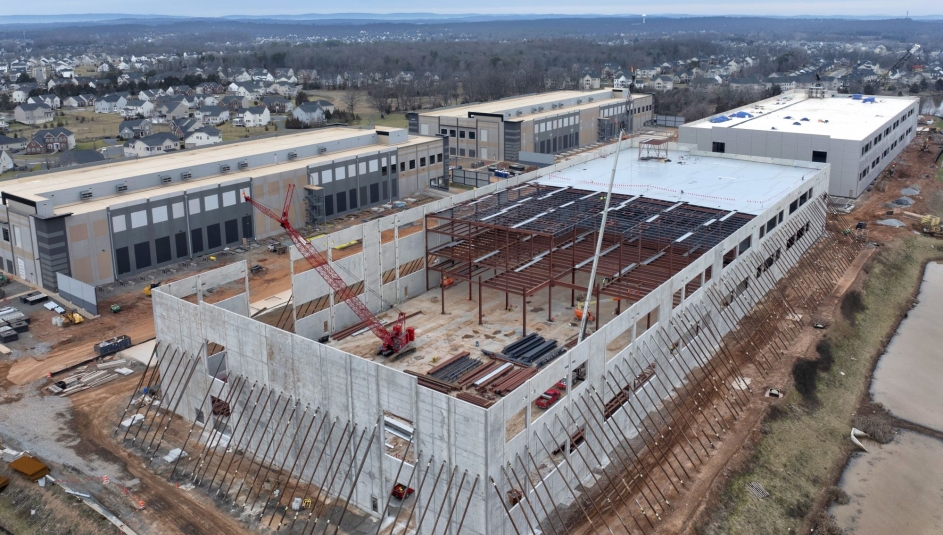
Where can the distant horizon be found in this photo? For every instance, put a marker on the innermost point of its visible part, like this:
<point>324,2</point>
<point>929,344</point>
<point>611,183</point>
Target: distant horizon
<point>305,13</point>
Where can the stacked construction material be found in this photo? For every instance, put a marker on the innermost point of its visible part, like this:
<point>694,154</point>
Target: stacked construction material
<point>454,368</point>
<point>85,378</point>
<point>533,350</point>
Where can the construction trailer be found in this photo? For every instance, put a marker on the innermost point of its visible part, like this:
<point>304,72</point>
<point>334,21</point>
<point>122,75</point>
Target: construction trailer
<point>697,268</point>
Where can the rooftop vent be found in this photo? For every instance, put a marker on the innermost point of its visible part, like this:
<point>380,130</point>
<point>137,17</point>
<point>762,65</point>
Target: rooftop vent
<point>579,101</point>
<point>540,108</point>
<point>533,110</point>
<point>520,112</point>
<point>322,150</point>
<point>553,106</point>
<point>243,165</point>
<point>592,99</point>
<point>165,179</point>
<point>85,195</point>
<point>224,168</point>
<point>186,175</point>
<point>292,155</point>
<point>121,188</point>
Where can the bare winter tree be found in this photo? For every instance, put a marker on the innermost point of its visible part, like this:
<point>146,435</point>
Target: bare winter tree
<point>352,97</point>
<point>381,96</point>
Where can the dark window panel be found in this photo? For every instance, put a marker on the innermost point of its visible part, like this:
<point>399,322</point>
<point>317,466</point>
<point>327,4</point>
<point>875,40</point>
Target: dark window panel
<point>162,248</point>
<point>214,238</point>
<point>142,255</point>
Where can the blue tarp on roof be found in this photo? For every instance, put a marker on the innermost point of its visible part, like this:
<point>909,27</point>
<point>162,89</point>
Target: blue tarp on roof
<point>720,119</point>
<point>867,100</point>
<point>741,115</point>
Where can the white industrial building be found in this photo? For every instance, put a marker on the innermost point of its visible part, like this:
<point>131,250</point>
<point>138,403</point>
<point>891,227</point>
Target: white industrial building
<point>856,134</point>
<point>703,250</point>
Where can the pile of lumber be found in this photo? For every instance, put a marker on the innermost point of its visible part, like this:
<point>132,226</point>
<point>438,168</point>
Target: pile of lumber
<point>85,378</point>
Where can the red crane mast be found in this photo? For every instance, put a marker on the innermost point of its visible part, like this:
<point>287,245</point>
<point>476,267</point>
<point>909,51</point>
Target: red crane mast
<point>395,339</point>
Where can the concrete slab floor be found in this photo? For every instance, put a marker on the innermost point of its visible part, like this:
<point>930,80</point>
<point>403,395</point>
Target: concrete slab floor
<point>440,336</point>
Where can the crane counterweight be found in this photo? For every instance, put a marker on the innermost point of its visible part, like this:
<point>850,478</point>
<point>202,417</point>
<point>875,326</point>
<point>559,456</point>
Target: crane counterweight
<point>392,341</point>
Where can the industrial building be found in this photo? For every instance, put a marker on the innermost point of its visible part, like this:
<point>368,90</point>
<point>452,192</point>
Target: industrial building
<point>694,243</point>
<point>857,135</point>
<point>99,223</point>
<point>534,128</point>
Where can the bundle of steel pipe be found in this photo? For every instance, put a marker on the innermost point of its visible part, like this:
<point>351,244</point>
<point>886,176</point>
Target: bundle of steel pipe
<point>479,373</point>
<point>474,400</point>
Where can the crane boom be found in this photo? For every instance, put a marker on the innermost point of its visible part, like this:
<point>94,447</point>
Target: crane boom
<point>910,52</point>
<point>393,340</point>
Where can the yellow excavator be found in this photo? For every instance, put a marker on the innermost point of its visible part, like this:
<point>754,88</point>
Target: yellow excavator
<point>928,224</point>
<point>149,287</point>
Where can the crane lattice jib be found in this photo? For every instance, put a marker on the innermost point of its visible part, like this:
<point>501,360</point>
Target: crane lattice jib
<point>319,262</point>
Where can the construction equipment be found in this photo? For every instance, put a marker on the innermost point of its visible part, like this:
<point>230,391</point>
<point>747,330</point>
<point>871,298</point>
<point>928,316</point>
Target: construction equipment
<point>4,280</point>
<point>277,248</point>
<point>578,312</point>
<point>115,308</point>
<point>151,286</point>
<point>882,80</point>
<point>71,317</point>
<point>394,340</point>
<point>928,224</point>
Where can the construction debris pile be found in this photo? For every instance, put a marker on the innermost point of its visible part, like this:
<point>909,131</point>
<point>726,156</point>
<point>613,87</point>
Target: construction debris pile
<point>12,322</point>
<point>86,377</point>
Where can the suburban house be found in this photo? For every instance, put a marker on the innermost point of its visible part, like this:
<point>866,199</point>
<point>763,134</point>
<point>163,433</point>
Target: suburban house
<point>135,128</point>
<point>11,143</point>
<point>590,81</point>
<point>110,103</point>
<point>326,105</point>
<point>662,83</point>
<point>208,100</point>
<point>50,141</point>
<point>138,108</point>
<point>179,90</point>
<point>252,117</point>
<point>648,72</point>
<point>310,113</point>
<point>210,88</point>
<point>50,100</point>
<point>234,102</point>
<point>284,89</point>
<point>6,162</point>
<point>172,109</point>
<point>151,145</point>
<point>79,101</point>
<point>206,135</point>
<point>212,115</point>
<point>150,94</point>
<point>276,104</point>
<point>33,113</point>
<point>182,127</point>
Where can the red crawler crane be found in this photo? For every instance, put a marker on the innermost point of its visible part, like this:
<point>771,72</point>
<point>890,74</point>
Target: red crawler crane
<point>394,340</point>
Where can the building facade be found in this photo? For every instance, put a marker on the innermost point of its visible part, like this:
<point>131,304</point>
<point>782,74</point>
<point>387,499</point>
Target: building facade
<point>103,222</point>
<point>858,136</point>
<point>517,129</point>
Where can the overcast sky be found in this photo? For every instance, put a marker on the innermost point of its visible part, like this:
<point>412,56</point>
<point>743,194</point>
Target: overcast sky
<point>695,7</point>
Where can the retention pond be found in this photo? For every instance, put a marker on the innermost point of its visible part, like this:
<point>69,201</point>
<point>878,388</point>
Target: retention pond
<point>898,487</point>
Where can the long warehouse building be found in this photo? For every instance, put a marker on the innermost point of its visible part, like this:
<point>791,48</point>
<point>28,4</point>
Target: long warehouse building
<point>857,135</point>
<point>534,128</point>
<point>100,223</point>
<point>693,242</point>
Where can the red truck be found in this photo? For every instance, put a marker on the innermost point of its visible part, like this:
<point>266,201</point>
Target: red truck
<point>548,398</point>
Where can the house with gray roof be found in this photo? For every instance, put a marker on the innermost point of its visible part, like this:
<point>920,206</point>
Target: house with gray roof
<point>33,114</point>
<point>135,128</point>
<point>150,145</point>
